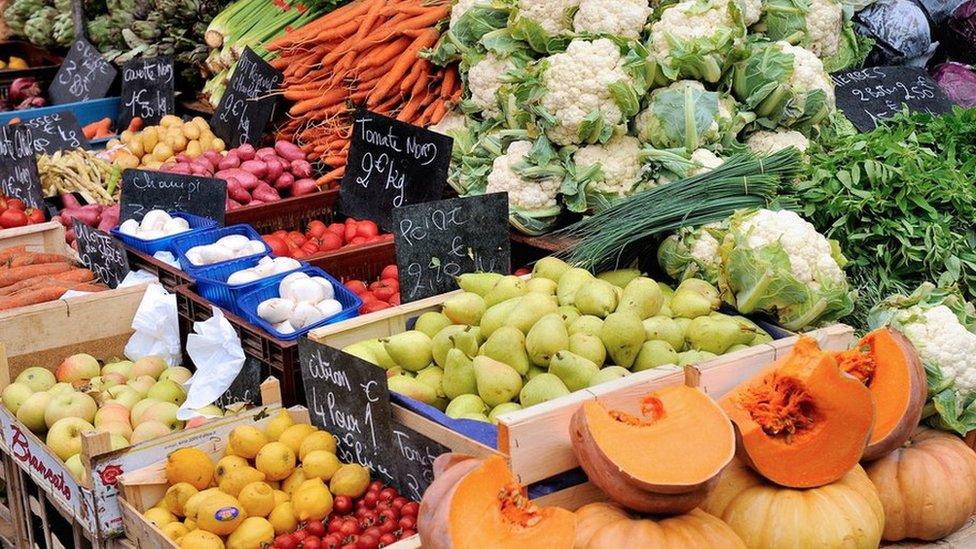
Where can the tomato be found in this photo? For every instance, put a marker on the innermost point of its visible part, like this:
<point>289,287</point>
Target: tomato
<point>357,287</point>
<point>332,541</point>
<point>285,541</point>
<point>376,486</point>
<point>280,233</point>
<point>315,528</point>
<point>368,519</point>
<point>13,218</point>
<point>16,204</point>
<point>316,228</point>
<point>34,215</point>
<point>350,527</point>
<point>367,228</point>
<point>297,238</point>
<point>310,247</point>
<point>372,307</point>
<point>387,494</point>
<point>387,539</point>
<point>342,504</point>
<point>383,292</point>
<point>388,526</point>
<point>330,242</point>
<point>388,236</point>
<point>299,254</point>
<point>407,533</point>
<point>357,241</point>
<point>395,300</point>
<point>312,542</point>
<point>337,228</point>
<point>390,272</point>
<point>278,246</point>
<point>334,524</point>
<point>351,543</point>
<point>350,231</point>
<point>408,522</point>
<point>300,535</point>
<point>367,542</point>
<point>410,509</point>
<point>399,502</point>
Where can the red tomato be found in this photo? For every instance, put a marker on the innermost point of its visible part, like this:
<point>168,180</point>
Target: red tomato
<point>297,238</point>
<point>334,524</point>
<point>356,286</point>
<point>315,528</point>
<point>382,291</point>
<point>342,504</point>
<point>278,246</point>
<point>357,241</point>
<point>408,522</point>
<point>395,300</point>
<point>390,271</point>
<point>310,247</point>
<point>337,228</point>
<point>299,254</point>
<point>399,502</point>
<point>280,233</point>
<point>388,236</point>
<point>285,541</point>
<point>16,204</point>
<point>367,542</point>
<point>522,271</point>
<point>13,218</point>
<point>387,539</point>
<point>367,228</point>
<point>372,307</point>
<point>410,509</point>
<point>331,541</point>
<point>350,231</point>
<point>372,531</point>
<point>316,228</point>
<point>34,215</point>
<point>350,527</point>
<point>330,242</point>
<point>312,542</point>
<point>374,239</point>
<point>300,535</point>
<point>376,486</point>
<point>407,533</point>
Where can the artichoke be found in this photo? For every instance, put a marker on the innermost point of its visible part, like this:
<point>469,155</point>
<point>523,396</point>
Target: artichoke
<point>64,29</point>
<point>39,29</point>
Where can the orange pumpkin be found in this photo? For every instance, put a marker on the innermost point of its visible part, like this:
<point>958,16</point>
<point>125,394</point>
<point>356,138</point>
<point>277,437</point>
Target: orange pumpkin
<point>605,526</point>
<point>927,487</point>
<point>663,462</point>
<point>846,513</point>
<point>476,503</point>
<point>803,422</point>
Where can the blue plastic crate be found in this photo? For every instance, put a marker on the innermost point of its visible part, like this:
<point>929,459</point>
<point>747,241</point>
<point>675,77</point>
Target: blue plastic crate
<point>350,304</point>
<point>181,245</point>
<point>85,111</point>
<point>149,247</point>
<point>212,283</point>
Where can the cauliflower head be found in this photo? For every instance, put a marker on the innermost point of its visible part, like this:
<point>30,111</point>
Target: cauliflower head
<point>484,79</point>
<point>616,163</point>
<point>624,18</point>
<point>751,11</point>
<point>684,114</point>
<point>704,161</point>
<point>695,38</point>
<point>463,6</point>
<point>692,253</point>
<point>817,25</point>
<point>527,195</point>
<point>552,16</point>
<point>768,142</point>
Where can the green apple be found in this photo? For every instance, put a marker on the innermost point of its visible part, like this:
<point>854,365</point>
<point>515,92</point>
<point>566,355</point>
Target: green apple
<point>122,367</point>
<point>125,395</point>
<point>177,374</point>
<point>37,378</point>
<point>76,405</point>
<point>167,391</point>
<point>14,395</point>
<point>148,430</point>
<point>77,368</point>
<point>135,413</point>
<point>64,436</point>
<point>61,388</point>
<point>31,412</point>
<point>115,428</point>
<point>163,412</point>
<point>142,384</point>
<point>75,466</point>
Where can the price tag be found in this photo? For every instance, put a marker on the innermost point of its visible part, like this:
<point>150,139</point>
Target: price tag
<point>869,96</point>
<point>84,75</point>
<point>18,168</point>
<point>101,253</point>
<point>247,106</point>
<point>147,90</point>
<point>55,132</point>
<point>416,455</point>
<point>246,387</point>
<point>348,397</point>
<point>144,190</point>
<point>437,241</point>
<point>391,164</point>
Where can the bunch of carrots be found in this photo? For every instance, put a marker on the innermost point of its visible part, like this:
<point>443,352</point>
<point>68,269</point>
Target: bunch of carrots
<point>365,52</point>
<point>103,128</point>
<point>27,278</point>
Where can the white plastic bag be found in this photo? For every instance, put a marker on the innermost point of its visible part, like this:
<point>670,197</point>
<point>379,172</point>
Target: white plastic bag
<point>157,328</point>
<point>216,351</point>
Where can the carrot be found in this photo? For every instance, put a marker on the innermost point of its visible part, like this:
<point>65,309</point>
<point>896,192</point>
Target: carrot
<point>411,108</point>
<point>372,15</point>
<point>331,20</point>
<point>447,85</point>
<point>419,68</point>
<point>31,297</point>
<point>35,259</point>
<point>16,274</point>
<point>135,124</point>
<point>74,275</point>
<point>404,62</point>
<point>7,253</point>
<point>381,55</point>
<point>342,31</point>
<point>336,159</point>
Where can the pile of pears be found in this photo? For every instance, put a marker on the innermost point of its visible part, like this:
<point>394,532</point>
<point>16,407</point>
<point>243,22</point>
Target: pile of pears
<point>505,343</point>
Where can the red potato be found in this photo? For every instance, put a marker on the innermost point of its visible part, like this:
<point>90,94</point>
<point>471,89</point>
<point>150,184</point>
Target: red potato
<point>302,187</point>
<point>265,193</point>
<point>197,169</point>
<point>213,156</point>
<point>245,151</point>
<point>181,168</point>
<point>229,162</point>
<point>237,192</point>
<point>301,168</point>
<point>274,169</point>
<point>264,152</point>
<point>88,217</point>
<point>230,205</point>
<point>255,167</point>
<point>289,151</point>
<point>70,201</point>
<point>246,178</point>
<point>284,181</point>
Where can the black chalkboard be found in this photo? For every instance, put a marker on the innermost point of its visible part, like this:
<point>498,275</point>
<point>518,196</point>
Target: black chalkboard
<point>55,132</point>
<point>144,190</point>
<point>147,90</point>
<point>101,253</point>
<point>246,106</point>
<point>391,164</point>
<point>18,168</point>
<point>83,75</point>
<point>246,387</point>
<point>870,95</point>
<point>348,397</point>
<point>437,241</point>
<point>416,460</point>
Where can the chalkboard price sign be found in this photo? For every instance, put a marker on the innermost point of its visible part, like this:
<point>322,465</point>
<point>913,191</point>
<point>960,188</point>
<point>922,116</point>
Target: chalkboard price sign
<point>55,132</point>
<point>147,90</point>
<point>83,75</point>
<point>416,460</point>
<point>437,241</point>
<point>348,397</point>
<point>869,96</point>
<point>18,169</point>
<point>144,190</point>
<point>101,253</point>
<point>246,106</point>
<point>391,164</point>
<point>246,387</point>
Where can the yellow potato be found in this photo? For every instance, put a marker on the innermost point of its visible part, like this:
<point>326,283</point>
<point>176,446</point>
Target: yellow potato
<point>191,131</point>
<point>201,121</point>
<point>126,136</point>
<point>135,146</point>
<point>177,142</point>
<point>217,145</point>
<point>204,142</point>
<point>162,152</point>
<point>150,137</point>
<point>126,161</point>
<point>170,120</point>
<point>154,165</point>
<point>193,148</point>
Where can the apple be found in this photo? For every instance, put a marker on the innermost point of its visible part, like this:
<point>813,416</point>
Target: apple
<point>74,405</point>
<point>75,466</point>
<point>176,374</point>
<point>94,385</point>
<point>113,379</point>
<point>167,391</point>
<point>64,436</point>
<point>112,412</point>
<point>152,366</point>
<point>14,395</point>
<point>37,378</point>
<point>163,412</point>
<point>122,367</point>
<point>205,414</point>
<point>115,428</point>
<point>61,388</point>
<point>125,395</point>
<point>135,413</point>
<point>77,367</point>
<point>147,431</point>
<point>119,441</point>
<point>142,384</point>
<point>31,412</point>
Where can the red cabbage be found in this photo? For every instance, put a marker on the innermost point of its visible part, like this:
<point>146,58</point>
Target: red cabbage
<point>961,33</point>
<point>958,81</point>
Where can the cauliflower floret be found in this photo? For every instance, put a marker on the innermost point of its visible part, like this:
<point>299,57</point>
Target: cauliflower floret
<point>808,71</point>
<point>769,142</point>
<point>484,79</point>
<point>452,121</point>
<point>811,259</point>
<point>705,161</point>
<point>524,194</point>
<point>548,14</point>
<point>751,10</point>
<point>824,21</point>
<point>687,21</point>
<point>705,250</point>
<point>577,82</point>
<point>942,340</point>
<point>620,163</point>
<point>625,18</point>
<point>462,6</point>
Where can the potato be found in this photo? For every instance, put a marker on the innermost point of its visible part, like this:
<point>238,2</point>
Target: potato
<point>201,121</point>
<point>162,152</point>
<point>125,161</point>
<point>150,136</point>
<point>126,136</point>
<point>177,142</point>
<point>193,148</point>
<point>154,165</point>
<point>135,146</point>
<point>170,120</point>
<point>217,145</point>
<point>205,143</point>
<point>191,131</point>
<point>112,143</point>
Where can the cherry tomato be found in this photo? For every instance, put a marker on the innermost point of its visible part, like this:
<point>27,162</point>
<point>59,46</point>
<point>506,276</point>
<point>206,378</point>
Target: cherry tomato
<point>349,528</point>
<point>334,524</point>
<point>332,541</point>
<point>408,522</point>
<point>34,215</point>
<point>280,233</point>
<point>388,494</point>
<point>407,533</point>
<point>312,542</point>
<point>351,543</point>
<point>388,527</point>
<point>342,505</point>
<point>372,531</point>
<point>300,535</point>
<point>399,502</point>
<point>299,254</point>
<point>337,228</point>
<point>410,509</point>
<point>395,300</point>
<point>315,528</point>
<point>13,218</point>
<point>285,541</point>
<point>367,542</point>
<point>278,246</point>
<point>376,486</point>
<point>16,204</point>
<point>330,242</point>
<point>316,228</point>
<point>367,228</point>
<point>390,271</point>
<point>387,539</point>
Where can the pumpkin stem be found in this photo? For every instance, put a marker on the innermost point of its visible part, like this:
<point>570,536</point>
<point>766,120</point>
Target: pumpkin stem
<point>859,363</point>
<point>780,405</point>
<point>517,508</point>
<point>651,407</point>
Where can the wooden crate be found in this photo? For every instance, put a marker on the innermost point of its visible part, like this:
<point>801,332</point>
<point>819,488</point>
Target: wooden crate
<point>13,517</point>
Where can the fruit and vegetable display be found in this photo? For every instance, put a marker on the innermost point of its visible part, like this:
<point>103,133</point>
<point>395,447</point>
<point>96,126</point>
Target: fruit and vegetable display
<point>28,278</point>
<point>14,213</point>
<point>281,486</point>
<point>80,171</point>
<point>321,238</point>
<point>378,294</point>
<point>302,301</point>
<point>103,218</point>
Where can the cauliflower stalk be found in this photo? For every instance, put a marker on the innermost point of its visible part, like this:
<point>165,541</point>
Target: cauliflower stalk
<point>817,25</point>
<point>942,327</point>
<point>623,18</point>
<point>684,114</point>
<point>695,38</point>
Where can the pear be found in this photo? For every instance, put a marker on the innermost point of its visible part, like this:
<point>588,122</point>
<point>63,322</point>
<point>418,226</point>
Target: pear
<point>736,348</point>
<point>507,344</point>
<point>496,315</point>
<point>503,408</point>
<point>541,285</point>
<point>507,287</point>
<point>475,417</point>
<point>550,267</point>
<point>465,404</point>
<point>620,277</point>
<point>622,334</point>
<point>689,358</point>
<point>569,314</point>
<point>497,382</point>
<point>589,347</point>
<point>534,371</point>
<point>478,283</point>
<point>682,324</point>
<point>541,388</point>
<point>759,335</point>
<point>662,328</point>
<point>641,296</point>
<point>372,351</point>
<point>666,291</point>
<point>716,335</point>
<point>654,353</point>
<point>465,308</point>
<point>546,338</point>
<point>597,298</point>
<point>574,370</point>
<point>458,378</point>
<point>694,298</point>
<point>570,282</point>
<point>586,324</point>
<point>432,377</point>
<point>529,310</point>
<point>431,322</point>
<point>411,388</point>
<point>466,338</point>
<point>609,373</point>
<point>411,350</point>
